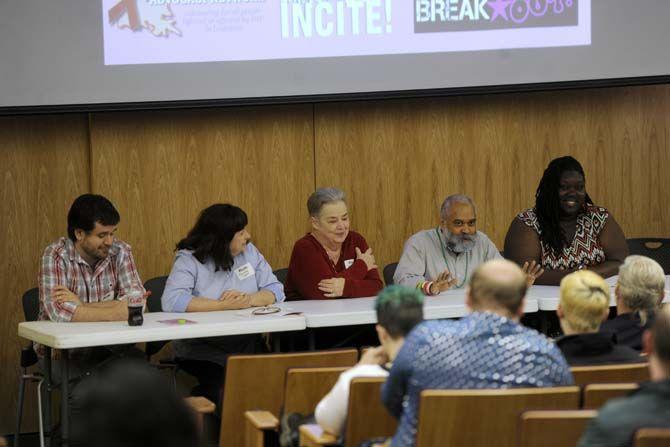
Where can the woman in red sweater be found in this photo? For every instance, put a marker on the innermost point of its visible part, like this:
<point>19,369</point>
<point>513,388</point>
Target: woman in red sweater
<point>331,261</point>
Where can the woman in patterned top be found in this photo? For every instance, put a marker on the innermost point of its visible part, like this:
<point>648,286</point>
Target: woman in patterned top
<point>565,232</point>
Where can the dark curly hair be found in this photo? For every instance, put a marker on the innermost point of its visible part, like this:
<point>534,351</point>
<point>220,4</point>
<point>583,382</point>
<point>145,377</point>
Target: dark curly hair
<point>547,202</point>
<point>210,237</point>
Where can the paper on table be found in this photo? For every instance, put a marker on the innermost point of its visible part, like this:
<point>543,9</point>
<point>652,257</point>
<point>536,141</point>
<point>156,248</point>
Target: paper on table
<point>178,321</point>
<point>249,312</point>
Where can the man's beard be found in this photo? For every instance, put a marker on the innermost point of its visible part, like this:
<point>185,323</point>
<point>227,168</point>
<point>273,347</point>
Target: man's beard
<point>460,243</point>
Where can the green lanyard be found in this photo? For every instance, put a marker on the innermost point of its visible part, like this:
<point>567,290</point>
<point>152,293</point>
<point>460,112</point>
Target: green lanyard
<point>444,255</point>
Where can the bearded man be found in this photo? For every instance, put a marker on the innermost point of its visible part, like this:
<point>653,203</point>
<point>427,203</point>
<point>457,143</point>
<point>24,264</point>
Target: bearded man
<point>445,257</point>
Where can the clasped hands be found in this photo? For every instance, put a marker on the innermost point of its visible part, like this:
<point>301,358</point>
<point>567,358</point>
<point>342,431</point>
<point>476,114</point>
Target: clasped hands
<point>334,287</point>
<point>62,294</point>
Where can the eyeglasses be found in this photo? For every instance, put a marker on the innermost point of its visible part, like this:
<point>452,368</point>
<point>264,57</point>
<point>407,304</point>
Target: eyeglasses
<point>265,310</point>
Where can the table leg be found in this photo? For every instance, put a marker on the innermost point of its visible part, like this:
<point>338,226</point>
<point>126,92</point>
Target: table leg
<point>311,339</point>
<point>47,388</point>
<point>65,397</point>
<point>276,342</point>
<point>544,322</point>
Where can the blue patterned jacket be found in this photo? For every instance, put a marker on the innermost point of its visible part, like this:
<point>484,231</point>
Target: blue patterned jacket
<point>482,350</point>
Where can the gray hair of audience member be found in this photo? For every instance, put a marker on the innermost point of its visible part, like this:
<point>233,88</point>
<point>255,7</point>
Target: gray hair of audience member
<point>451,201</point>
<point>641,285</point>
<point>660,333</point>
<point>130,404</point>
<point>321,197</point>
<point>498,284</point>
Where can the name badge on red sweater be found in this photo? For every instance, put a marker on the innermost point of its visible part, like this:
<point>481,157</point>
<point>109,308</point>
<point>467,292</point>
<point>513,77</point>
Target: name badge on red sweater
<point>244,272</point>
<point>348,263</point>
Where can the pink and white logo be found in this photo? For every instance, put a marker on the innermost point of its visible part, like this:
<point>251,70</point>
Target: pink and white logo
<point>138,16</point>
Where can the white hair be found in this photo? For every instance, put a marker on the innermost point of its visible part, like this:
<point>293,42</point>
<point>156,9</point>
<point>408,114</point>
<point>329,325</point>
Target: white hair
<point>641,285</point>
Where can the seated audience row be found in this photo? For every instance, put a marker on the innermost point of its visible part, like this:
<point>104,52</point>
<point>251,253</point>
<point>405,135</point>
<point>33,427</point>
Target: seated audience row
<point>490,349</point>
<point>584,305</point>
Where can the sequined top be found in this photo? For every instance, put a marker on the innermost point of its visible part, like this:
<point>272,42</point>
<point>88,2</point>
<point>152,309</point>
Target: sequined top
<point>584,249</point>
<point>482,350</point>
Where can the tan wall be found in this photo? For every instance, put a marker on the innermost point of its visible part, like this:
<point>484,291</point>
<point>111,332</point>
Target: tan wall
<point>411,154</point>
<point>44,164</point>
<point>396,160</point>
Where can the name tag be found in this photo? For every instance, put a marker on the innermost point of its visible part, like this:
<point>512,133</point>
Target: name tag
<point>245,272</point>
<point>348,263</point>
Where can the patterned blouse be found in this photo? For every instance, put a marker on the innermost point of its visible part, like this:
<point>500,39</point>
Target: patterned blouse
<point>585,248</point>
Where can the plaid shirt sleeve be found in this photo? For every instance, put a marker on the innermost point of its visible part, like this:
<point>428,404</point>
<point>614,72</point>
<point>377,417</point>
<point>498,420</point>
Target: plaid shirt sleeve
<point>53,272</point>
<point>128,277</point>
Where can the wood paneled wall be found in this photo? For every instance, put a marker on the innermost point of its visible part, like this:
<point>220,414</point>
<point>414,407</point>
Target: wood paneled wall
<point>44,163</point>
<point>395,159</point>
<point>162,168</point>
<point>398,160</point>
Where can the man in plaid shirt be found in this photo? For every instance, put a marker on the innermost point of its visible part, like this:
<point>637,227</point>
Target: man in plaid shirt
<point>84,277</point>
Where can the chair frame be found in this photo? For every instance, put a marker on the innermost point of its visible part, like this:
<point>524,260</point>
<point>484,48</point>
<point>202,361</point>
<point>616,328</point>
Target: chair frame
<point>534,421</point>
<point>30,302</point>
<point>622,373</point>
<point>460,402</point>
<point>652,437</point>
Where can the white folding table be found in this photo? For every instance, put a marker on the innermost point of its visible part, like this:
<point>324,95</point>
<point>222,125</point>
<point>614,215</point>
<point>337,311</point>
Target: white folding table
<point>358,311</point>
<point>66,336</point>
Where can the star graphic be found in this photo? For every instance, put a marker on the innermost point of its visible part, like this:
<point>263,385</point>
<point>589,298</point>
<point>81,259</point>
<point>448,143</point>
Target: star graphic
<point>499,8</point>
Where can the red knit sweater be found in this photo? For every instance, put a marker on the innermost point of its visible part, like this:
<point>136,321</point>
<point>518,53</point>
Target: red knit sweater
<point>310,264</point>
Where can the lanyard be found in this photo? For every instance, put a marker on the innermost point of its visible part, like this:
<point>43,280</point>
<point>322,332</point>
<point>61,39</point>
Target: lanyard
<point>444,255</point>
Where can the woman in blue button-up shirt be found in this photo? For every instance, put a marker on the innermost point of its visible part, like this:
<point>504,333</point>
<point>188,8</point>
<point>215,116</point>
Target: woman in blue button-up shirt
<point>217,268</point>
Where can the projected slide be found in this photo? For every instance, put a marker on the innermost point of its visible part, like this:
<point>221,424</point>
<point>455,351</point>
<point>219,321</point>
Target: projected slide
<point>173,31</point>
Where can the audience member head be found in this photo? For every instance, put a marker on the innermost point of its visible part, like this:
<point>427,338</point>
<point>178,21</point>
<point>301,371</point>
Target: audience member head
<point>399,309</point>
<point>497,286</point>
<point>129,404</point>
<point>458,219</point>
<point>561,194</point>
<point>657,345</point>
<point>329,216</point>
<point>584,303</point>
<point>219,234</point>
<point>640,287</point>
<point>91,224</point>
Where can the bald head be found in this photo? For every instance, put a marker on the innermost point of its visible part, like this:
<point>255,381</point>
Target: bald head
<point>496,286</point>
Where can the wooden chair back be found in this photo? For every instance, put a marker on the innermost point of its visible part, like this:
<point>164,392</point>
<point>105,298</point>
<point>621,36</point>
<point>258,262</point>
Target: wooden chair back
<point>305,387</point>
<point>652,437</point>
<point>554,428</point>
<point>596,394</point>
<point>367,417</point>
<point>256,382</point>
<point>484,417</point>
<point>626,373</point>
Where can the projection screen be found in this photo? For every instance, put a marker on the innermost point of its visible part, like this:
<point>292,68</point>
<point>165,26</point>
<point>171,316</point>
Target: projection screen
<point>109,53</point>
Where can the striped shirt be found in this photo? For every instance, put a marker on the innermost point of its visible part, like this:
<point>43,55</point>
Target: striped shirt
<point>111,278</point>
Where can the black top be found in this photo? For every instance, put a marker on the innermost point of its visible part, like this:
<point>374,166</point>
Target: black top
<point>619,419</point>
<point>595,349</point>
<point>628,329</point>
